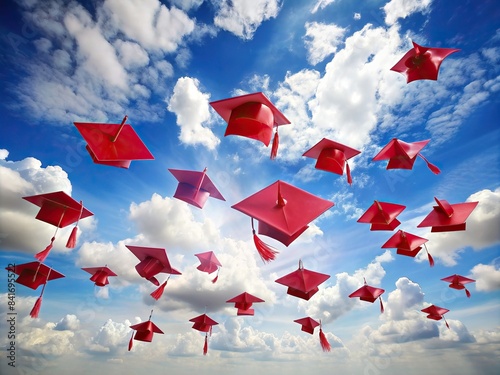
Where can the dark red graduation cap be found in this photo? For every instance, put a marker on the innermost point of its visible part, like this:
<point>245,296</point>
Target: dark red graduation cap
<point>436,313</point>
<point>33,275</point>
<point>458,282</point>
<point>252,116</point>
<point>113,144</point>
<point>402,155</point>
<point>144,331</point>
<point>243,302</point>
<point>153,261</point>
<point>332,157</point>
<point>303,283</point>
<point>446,217</point>
<point>408,244</point>
<point>369,294</point>
<point>308,324</point>
<point>195,187</point>
<point>422,62</point>
<point>382,215</point>
<point>209,263</point>
<point>60,210</point>
<point>99,275</point>
<point>204,323</point>
<point>283,211</point>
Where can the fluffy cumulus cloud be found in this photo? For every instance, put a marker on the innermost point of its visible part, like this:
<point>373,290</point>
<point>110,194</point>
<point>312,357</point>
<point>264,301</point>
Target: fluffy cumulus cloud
<point>396,9</point>
<point>321,40</point>
<point>487,277</point>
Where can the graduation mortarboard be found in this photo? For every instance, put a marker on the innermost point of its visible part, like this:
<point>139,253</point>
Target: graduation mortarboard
<point>243,302</point>
<point>33,275</point>
<point>436,313</point>
<point>402,155</point>
<point>332,157</point>
<point>408,244</point>
<point>458,282</point>
<point>252,116</point>
<point>283,211</point>
<point>153,261</point>
<point>204,323</point>
<point>144,331</point>
<point>195,187</point>
<point>446,217</point>
<point>382,215</point>
<point>422,62</point>
<point>303,283</point>
<point>99,275</point>
<point>115,145</point>
<point>60,210</point>
<point>209,263</point>
<point>369,294</point>
<point>308,324</point>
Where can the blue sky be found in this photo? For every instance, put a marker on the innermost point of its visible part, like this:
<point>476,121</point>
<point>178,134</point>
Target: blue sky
<point>326,65</point>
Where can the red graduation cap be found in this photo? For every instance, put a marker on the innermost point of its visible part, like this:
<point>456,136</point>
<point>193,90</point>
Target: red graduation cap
<point>446,217</point>
<point>252,116</point>
<point>332,157</point>
<point>99,275</point>
<point>243,302</point>
<point>407,244</point>
<point>144,331</point>
<point>113,144</point>
<point>382,215</point>
<point>436,313</point>
<point>422,62</point>
<point>204,323</point>
<point>153,261</point>
<point>33,275</point>
<point>283,211</point>
<point>402,155</point>
<point>195,187</point>
<point>209,263</point>
<point>369,294</point>
<point>60,210</point>
<point>303,283</point>
<point>308,325</point>
<point>458,282</point>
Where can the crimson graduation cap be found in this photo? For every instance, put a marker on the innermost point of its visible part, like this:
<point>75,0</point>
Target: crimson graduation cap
<point>332,157</point>
<point>308,324</point>
<point>153,261</point>
<point>422,62</point>
<point>144,331</point>
<point>436,313</point>
<point>33,275</point>
<point>369,294</point>
<point>60,210</point>
<point>303,283</point>
<point>283,211</point>
<point>458,282</point>
<point>446,217</point>
<point>195,187</point>
<point>204,323</point>
<point>243,302</point>
<point>408,244</point>
<point>252,116</point>
<point>99,275</point>
<point>115,145</point>
<point>209,263</point>
<point>382,215</point>
<point>402,155</point>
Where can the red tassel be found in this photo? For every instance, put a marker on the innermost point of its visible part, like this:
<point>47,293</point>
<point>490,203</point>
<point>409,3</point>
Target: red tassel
<point>429,256</point>
<point>276,143</point>
<point>381,305</point>
<point>44,253</point>
<point>159,291</point>
<point>205,347</point>
<point>431,166</point>
<point>266,252</point>
<point>131,342</point>
<point>325,345</point>
<point>36,308</point>
<point>72,238</point>
<point>447,325</point>
<point>348,172</point>
<point>467,293</point>
<point>216,278</point>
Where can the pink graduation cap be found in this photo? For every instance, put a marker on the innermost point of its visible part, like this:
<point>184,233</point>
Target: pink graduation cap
<point>153,261</point>
<point>369,294</point>
<point>408,244</point>
<point>115,145</point>
<point>283,211</point>
<point>303,283</point>
<point>402,155</point>
<point>195,187</point>
<point>332,157</point>
<point>33,275</point>
<point>382,215</point>
<point>446,217</point>
<point>422,62</point>
<point>308,324</point>
<point>209,263</point>
<point>99,275</point>
<point>60,210</point>
<point>252,116</point>
<point>204,323</point>
<point>144,331</point>
<point>243,302</point>
<point>436,313</point>
<point>458,282</point>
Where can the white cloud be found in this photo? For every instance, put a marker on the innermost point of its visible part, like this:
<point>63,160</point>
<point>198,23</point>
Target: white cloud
<point>357,16</point>
<point>321,4</point>
<point>396,9</point>
<point>69,323</point>
<point>111,336</point>
<point>322,40</point>
<point>400,301</point>
<point>487,277</point>
<point>132,55</point>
